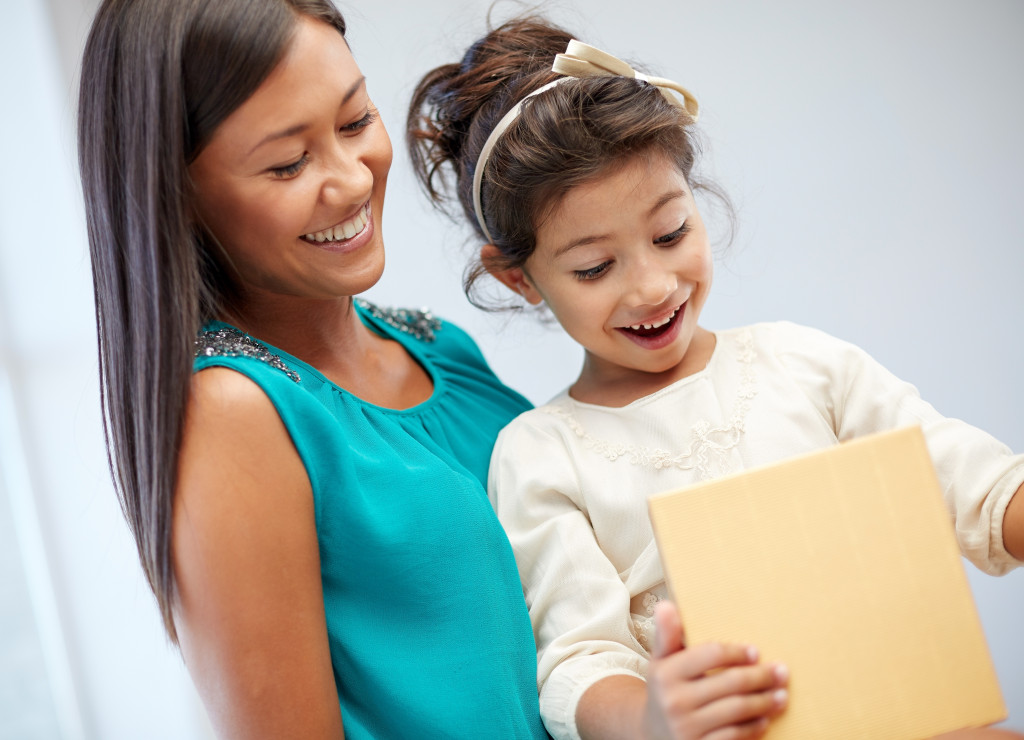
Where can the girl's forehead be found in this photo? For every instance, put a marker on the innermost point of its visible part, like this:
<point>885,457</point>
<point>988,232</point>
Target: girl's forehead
<point>635,183</point>
<point>631,194</point>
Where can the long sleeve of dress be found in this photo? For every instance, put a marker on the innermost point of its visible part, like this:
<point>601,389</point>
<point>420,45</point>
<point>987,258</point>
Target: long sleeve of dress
<point>578,603</point>
<point>978,473</point>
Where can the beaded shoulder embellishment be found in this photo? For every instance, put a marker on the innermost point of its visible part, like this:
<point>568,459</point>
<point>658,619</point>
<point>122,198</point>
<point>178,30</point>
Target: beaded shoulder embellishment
<point>419,323</point>
<point>706,450</point>
<point>233,343</point>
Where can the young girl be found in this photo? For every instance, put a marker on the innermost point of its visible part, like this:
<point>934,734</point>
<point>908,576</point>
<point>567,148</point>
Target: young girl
<point>577,173</point>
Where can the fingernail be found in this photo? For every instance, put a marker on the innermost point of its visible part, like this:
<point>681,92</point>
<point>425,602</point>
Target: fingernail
<point>780,697</point>
<point>752,653</point>
<point>781,672</point>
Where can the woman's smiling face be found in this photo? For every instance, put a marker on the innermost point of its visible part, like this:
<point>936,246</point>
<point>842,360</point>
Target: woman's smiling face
<point>292,183</point>
<point>624,264</point>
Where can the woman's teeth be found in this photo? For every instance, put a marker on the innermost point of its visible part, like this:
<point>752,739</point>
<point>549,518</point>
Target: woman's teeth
<point>656,324</point>
<point>342,231</point>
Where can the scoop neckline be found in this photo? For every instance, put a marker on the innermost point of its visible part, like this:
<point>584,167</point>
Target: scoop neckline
<point>382,328</point>
<point>654,395</point>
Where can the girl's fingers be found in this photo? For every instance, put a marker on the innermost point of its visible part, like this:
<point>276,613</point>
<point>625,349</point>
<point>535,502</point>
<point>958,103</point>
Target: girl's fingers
<point>697,660</point>
<point>668,630</point>
<point>746,731</point>
<point>738,681</point>
<point>739,710</point>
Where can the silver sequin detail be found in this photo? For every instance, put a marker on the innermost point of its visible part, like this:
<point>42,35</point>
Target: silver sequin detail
<point>233,343</point>
<point>418,323</point>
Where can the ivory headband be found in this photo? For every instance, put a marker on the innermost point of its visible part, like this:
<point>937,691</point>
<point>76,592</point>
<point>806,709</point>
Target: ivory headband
<point>579,60</point>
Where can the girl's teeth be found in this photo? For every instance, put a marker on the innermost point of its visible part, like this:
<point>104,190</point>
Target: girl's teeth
<point>638,327</point>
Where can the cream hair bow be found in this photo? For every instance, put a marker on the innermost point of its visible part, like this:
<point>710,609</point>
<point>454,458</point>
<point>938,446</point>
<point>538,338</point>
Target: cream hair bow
<point>579,60</point>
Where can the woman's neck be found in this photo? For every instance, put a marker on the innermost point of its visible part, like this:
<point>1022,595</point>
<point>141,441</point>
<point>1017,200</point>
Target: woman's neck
<point>331,337</point>
<point>320,332</point>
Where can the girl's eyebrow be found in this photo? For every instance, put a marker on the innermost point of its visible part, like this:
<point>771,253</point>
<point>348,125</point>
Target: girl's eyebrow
<point>590,239</point>
<point>299,128</point>
<point>666,198</point>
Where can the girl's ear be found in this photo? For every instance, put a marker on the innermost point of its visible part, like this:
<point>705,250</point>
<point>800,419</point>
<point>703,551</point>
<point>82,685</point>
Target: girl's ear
<point>513,278</point>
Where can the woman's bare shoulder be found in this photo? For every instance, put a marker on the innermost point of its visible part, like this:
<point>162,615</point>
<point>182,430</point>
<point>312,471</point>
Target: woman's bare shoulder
<point>249,612</point>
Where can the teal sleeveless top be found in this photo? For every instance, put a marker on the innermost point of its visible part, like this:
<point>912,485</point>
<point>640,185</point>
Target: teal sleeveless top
<point>429,632</point>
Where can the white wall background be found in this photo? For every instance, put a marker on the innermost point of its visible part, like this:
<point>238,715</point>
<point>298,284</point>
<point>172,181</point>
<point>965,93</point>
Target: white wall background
<point>874,151</point>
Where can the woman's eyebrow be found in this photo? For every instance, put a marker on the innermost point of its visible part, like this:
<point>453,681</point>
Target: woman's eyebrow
<point>300,127</point>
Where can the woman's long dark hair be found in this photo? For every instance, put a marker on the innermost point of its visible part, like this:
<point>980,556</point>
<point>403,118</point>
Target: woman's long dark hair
<point>158,77</point>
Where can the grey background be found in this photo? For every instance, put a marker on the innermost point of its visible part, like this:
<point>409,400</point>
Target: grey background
<point>874,152</point>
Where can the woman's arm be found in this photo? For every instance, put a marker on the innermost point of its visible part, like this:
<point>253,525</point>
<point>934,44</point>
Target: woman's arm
<point>250,611</point>
<point>679,699</point>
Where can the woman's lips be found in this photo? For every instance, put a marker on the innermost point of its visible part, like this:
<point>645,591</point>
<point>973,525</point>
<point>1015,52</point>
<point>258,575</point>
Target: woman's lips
<point>356,238</point>
<point>343,231</point>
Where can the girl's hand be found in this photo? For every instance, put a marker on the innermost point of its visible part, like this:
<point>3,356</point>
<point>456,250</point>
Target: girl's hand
<point>713,691</point>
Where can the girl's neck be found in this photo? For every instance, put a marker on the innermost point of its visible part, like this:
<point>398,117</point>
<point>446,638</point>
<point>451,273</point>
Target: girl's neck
<point>607,385</point>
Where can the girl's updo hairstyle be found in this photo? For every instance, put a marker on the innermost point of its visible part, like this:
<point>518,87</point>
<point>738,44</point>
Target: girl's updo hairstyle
<point>565,136</point>
<point>158,78</point>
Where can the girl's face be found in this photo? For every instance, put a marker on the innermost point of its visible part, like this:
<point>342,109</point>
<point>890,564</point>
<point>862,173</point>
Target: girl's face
<point>624,264</point>
<point>292,182</point>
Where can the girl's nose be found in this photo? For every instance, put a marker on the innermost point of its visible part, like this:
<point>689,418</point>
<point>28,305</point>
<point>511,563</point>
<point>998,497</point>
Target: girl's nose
<point>652,284</point>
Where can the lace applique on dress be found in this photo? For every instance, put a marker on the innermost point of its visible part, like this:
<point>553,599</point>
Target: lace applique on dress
<point>650,599</point>
<point>707,447</point>
<point>643,624</point>
<point>231,342</point>
<point>419,323</point>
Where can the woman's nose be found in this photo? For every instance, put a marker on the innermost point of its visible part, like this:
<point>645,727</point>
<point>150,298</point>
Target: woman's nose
<point>348,179</point>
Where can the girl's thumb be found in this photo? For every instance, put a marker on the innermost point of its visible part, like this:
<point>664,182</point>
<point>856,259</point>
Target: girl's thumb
<point>668,630</point>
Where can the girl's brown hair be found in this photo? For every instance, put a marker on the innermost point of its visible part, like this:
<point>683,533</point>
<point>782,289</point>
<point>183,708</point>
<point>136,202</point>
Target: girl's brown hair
<point>158,77</point>
<point>565,136</point>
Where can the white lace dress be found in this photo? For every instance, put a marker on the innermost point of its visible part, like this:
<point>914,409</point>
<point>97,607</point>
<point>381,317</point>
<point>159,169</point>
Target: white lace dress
<point>570,480</point>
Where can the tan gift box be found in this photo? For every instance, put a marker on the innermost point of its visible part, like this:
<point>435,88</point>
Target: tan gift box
<point>842,564</point>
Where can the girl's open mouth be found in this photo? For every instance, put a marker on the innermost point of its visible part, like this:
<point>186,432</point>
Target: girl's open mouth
<point>654,329</point>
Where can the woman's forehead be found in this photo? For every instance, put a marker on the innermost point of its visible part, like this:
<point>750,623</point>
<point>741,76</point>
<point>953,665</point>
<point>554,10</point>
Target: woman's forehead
<point>315,76</point>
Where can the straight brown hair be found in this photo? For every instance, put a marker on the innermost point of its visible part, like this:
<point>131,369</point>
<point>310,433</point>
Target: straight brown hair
<point>158,77</point>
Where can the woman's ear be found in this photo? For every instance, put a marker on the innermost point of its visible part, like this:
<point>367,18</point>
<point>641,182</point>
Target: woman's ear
<point>513,278</point>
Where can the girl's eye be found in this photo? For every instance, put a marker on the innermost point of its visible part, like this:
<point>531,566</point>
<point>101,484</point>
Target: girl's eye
<point>370,117</point>
<point>592,273</point>
<point>290,170</point>
<point>670,239</point>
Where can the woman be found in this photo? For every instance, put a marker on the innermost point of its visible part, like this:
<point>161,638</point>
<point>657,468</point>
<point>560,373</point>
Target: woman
<point>303,473</point>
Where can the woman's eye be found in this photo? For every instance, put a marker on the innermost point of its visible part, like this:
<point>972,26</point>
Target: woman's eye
<point>290,170</point>
<point>370,117</point>
<point>592,272</point>
<point>675,236</point>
